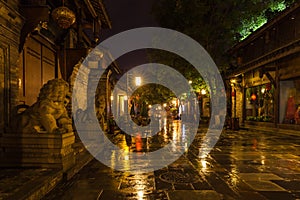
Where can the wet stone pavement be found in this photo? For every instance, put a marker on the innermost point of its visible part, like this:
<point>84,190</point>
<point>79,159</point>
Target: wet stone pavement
<point>242,165</point>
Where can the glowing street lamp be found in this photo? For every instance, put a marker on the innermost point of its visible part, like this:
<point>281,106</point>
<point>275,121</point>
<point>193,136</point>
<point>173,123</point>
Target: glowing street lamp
<point>138,81</point>
<point>174,102</point>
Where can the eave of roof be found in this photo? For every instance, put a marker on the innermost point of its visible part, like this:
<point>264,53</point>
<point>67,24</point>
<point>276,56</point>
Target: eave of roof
<point>97,8</point>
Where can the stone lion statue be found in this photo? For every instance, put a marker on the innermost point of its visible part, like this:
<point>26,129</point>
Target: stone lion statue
<point>49,113</point>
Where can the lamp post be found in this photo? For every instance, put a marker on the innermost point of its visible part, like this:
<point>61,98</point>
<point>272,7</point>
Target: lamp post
<point>203,93</point>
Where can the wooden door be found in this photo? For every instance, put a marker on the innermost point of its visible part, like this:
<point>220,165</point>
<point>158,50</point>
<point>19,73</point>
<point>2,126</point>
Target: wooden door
<point>38,67</point>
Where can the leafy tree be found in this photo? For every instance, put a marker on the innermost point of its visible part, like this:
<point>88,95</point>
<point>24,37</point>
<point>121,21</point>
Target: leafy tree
<point>144,110</point>
<point>216,24</point>
<point>182,66</point>
<point>151,94</point>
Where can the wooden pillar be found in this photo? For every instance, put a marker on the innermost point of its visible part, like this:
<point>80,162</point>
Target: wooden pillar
<point>276,96</point>
<point>243,99</point>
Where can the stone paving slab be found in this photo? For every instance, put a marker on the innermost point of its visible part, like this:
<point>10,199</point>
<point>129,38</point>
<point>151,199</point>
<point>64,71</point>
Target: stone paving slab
<point>116,195</point>
<point>264,186</point>
<point>259,176</point>
<point>194,195</point>
<point>238,171</point>
<point>274,195</point>
<point>291,185</point>
<point>237,168</point>
<point>252,196</point>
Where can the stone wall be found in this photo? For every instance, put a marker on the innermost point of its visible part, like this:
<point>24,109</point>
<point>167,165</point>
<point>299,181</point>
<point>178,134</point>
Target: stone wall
<point>37,150</point>
<point>81,87</point>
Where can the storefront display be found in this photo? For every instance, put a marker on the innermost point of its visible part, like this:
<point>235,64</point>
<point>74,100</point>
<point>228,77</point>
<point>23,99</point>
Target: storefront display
<point>260,103</point>
<point>290,101</point>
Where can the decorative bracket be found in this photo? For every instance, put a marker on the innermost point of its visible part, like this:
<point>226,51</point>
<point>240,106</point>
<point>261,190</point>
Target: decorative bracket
<point>34,15</point>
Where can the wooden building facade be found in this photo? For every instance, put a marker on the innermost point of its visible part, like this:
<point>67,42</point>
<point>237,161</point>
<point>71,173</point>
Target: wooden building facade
<point>265,84</point>
<point>36,47</point>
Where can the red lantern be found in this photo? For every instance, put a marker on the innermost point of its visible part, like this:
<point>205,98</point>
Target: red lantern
<point>268,86</point>
<point>253,97</point>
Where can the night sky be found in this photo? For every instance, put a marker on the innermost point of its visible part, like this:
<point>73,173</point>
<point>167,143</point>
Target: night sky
<point>125,15</point>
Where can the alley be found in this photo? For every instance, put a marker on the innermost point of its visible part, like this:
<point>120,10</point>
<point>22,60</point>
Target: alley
<point>244,164</point>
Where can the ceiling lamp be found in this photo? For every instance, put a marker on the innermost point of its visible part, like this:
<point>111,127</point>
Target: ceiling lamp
<point>63,16</point>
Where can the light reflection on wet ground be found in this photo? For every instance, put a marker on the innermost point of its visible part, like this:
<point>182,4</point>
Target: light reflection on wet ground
<point>242,165</point>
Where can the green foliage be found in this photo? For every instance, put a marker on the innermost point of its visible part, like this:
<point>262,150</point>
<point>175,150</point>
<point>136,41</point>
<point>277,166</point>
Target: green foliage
<point>151,94</point>
<point>216,24</point>
<point>144,110</point>
<point>259,118</point>
<point>182,66</point>
<point>254,22</point>
<point>250,25</point>
<point>278,6</point>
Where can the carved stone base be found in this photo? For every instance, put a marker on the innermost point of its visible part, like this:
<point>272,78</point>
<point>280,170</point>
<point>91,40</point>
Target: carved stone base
<point>37,150</point>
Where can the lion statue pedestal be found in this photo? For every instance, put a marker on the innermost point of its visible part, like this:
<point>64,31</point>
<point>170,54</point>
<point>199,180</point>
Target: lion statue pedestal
<point>43,136</point>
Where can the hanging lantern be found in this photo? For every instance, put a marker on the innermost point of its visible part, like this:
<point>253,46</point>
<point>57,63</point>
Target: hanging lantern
<point>63,16</point>
<point>253,97</point>
<point>233,93</point>
<point>268,86</point>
